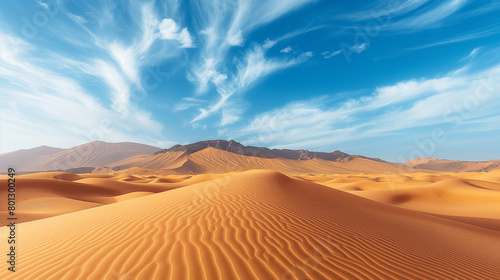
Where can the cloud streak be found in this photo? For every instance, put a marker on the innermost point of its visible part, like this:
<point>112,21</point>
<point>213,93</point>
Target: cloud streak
<point>230,75</point>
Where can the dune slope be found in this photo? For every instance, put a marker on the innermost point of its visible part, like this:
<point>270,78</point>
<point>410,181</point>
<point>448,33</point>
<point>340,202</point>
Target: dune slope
<point>253,225</point>
<point>472,198</point>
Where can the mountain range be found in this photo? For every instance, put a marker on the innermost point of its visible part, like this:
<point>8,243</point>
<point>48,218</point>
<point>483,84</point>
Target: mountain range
<point>216,156</point>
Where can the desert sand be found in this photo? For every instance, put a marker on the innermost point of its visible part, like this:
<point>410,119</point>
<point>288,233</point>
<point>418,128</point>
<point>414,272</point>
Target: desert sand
<point>257,224</point>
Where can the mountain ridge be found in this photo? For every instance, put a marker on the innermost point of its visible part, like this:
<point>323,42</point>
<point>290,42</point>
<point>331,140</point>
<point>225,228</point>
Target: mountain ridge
<point>262,152</point>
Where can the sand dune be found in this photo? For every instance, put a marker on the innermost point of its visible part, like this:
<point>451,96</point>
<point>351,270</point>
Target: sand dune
<point>453,165</point>
<point>254,225</point>
<point>473,198</point>
<point>49,194</point>
<point>42,195</point>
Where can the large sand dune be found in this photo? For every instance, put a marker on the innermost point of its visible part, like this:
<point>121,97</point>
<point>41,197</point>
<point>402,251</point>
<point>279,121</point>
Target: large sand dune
<point>254,225</point>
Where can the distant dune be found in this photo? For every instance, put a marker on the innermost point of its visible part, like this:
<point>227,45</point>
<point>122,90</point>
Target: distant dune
<point>252,225</point>
<point>92,154</point>
<point>453,165</point>
<point>22,159</point>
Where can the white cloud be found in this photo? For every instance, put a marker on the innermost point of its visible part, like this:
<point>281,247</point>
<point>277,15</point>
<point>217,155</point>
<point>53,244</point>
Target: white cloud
<point>207,73</point>
<point>286,50</point>
<point>269,44</point>
<point>327,55</point>
<point>308,54</point>
<point>256,65</point>
<point>235,38</point>
<point>230,115</point>
<point>359,48</point>
<point>42,4</point>
<point>386,9</point>
<point>120,90</point>
<point>78,19</point>
<point>250,70</point>
<point>186,39</point>
<point>10,47</point>
<point>127,59</point>
<point>474,52</point>
<point>169,30</point>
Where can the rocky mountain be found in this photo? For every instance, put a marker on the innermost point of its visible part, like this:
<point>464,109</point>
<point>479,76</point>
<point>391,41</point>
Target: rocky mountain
<point>262,152</point>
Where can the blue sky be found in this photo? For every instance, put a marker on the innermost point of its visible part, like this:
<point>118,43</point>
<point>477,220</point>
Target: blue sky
<point>389,79</point>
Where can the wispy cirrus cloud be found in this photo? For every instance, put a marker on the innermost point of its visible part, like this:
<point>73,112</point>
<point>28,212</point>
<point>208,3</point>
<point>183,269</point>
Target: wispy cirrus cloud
<point>385,8</point>
<point>409,15</point>
<point>286,50</point>
<point>224,26</point>
<point>328,54</point>
<point>484,32</point>
<point>429,17</point>
<point>269,43</point>
<point>251,68</point>
<point>77,19</point>
<point>42,4</point>
<point>170,31</point>
<point>359,48</point>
